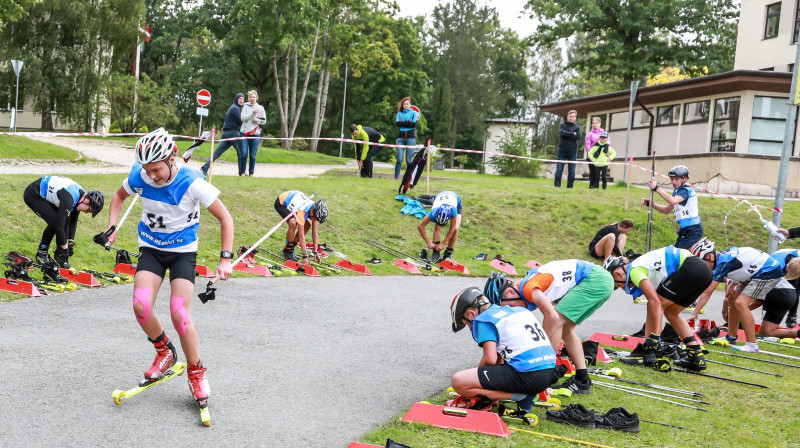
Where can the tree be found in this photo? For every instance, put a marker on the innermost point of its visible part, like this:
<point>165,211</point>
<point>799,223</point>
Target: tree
<point>154,107</point>
<point>13,10</point>
<point>667,75</point>
<point>443,111</point>
<point>68,48</point>
<point>630,39</point>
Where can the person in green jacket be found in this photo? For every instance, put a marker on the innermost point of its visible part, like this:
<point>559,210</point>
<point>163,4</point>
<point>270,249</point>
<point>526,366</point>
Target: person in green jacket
<point>365,151</point>
<point>601,154</point>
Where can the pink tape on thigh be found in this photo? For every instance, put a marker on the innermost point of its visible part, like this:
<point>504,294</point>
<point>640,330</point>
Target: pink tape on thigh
<point>142,295</point>
<point>176,306</point>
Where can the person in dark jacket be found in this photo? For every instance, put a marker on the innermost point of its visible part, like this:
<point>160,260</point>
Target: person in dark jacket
<point>569,135</point>
<point>233,122</point>
<point>364,151</point>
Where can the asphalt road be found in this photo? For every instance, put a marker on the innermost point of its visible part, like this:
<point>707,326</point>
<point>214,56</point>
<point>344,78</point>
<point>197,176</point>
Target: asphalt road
<point>292,362</point>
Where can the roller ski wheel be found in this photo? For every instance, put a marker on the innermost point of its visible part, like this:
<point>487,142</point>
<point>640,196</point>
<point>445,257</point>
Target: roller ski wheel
<point>529,418</point>
<point>205,415</point>
<point>119,397</point>
<point>551,403</point>
<point>451,392</point>
<point>616,372</point>
<point>71,286</point>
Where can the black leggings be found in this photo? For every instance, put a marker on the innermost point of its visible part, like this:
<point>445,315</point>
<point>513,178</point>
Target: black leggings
<point>45,210</point>
<point>366,170</point>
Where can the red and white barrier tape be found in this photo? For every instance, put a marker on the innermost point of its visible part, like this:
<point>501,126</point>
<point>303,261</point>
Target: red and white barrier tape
<point>388,145</point>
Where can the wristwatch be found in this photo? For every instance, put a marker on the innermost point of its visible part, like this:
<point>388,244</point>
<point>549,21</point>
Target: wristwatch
<point>226,254</point>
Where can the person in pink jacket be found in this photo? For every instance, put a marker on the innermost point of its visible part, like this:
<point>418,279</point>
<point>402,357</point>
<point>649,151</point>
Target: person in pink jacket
<point>591,138</point>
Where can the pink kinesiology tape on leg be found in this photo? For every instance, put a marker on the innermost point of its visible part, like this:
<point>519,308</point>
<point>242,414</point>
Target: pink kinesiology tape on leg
<point>176,306</point>
<point>142,295</point>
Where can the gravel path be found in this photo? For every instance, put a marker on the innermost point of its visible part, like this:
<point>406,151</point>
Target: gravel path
<point>113,157</point>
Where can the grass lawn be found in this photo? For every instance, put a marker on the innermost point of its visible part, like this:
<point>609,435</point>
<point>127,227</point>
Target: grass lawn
<point>13,147</point>
<point>522,219</point>
<point>266,154</point>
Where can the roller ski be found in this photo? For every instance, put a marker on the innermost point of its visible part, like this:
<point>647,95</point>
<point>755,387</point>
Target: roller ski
<point>52,278</point>
<point>543,399</point>
<point>120,396</point>
<point>615,372</point>
<point>112,277</point>
<point>198,385</point>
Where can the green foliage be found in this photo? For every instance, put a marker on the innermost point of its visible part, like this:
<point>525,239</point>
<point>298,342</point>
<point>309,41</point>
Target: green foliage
<point>629,40</point>
<point>153,108</point>
<point>517,142</point>
<point>443,110</point>
<point>68,48</point>
<point>11,10</point>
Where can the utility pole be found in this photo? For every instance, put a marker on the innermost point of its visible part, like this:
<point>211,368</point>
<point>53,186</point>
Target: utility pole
<point>344,103</point>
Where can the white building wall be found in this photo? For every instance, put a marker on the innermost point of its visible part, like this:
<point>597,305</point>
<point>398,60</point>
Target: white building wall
<point>753,52</point>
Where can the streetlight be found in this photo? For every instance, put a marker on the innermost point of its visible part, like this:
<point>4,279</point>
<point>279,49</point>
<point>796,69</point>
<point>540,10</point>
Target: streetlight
<point>344,103</point>
<point>17,68</point>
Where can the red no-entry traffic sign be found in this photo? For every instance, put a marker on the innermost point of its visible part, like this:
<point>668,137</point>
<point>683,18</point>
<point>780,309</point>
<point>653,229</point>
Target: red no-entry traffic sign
<point>203,97</point>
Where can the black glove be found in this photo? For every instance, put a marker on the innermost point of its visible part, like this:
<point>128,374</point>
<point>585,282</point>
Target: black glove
<point>71,248</point>
<point>102,238</point>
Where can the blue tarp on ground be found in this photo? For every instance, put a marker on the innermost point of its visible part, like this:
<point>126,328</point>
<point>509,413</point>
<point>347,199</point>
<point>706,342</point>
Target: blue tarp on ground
<point>412,207</point>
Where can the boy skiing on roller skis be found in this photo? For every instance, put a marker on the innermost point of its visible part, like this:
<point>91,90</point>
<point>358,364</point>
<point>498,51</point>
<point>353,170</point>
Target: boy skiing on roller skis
<point>446,209</point>
<point>518,361</point>
<point>671,279</point>
<point>59,202</point>
<point>171,196</point>
<point>567,292</point>
<point>308,215</point>
<point>754,279</point>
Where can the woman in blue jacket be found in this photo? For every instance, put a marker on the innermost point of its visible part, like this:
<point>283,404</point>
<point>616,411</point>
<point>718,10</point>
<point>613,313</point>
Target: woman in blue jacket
<point>406,121</point>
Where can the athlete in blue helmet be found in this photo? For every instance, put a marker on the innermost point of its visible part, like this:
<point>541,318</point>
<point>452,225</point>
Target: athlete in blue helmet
<point>446,209</point>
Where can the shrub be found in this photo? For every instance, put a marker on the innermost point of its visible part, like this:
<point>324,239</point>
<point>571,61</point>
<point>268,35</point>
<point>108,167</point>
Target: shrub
<point>516,142</point>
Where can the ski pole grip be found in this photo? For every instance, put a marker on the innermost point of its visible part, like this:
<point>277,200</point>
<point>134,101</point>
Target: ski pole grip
<point>102,237</point>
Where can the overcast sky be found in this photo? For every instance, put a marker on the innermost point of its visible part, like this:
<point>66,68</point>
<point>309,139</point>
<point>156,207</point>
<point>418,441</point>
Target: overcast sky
<point>507,10</point>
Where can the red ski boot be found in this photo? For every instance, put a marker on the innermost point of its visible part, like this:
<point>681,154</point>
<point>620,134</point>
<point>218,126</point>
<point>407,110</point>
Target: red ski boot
<point>166,357</point>
<point>198,384</point>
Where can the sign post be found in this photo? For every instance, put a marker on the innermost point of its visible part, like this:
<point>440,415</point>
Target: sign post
<point>203,99</point>
<point>17,68</point>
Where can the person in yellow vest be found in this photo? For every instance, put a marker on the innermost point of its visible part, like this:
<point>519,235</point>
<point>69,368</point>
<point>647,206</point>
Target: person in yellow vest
<point>601,154</point>
<point>364,151</point>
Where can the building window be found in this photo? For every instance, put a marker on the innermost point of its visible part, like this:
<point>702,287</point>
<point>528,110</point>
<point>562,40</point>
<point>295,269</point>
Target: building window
<point>696,112</point>
<point>768,125</point>
<point>726,123</point>
<point>796,33</point>
<point>669,115</point>
<point>641,119</point>
<point>773,20</point>
<point>619,121</point>
<point>768,69</point>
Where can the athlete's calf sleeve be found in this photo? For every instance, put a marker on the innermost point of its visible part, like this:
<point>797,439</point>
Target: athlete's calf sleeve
<point>141,296</point>
<point>176,308</point>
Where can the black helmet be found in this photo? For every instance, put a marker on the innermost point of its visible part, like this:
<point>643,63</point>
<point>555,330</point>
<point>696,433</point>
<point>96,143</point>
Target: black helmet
<point>320,211</point>
<point>495,286</point>
<point>678,171</point>
<point>96,201</point>
<point>461,302</point>
<point>612,263</point>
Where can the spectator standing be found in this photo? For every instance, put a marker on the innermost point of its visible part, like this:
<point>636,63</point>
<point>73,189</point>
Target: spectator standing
<point>233,122</point>
<point>569,135</point>
<point>591,138</point>
<point>253,116</point>
<point>406,122</point>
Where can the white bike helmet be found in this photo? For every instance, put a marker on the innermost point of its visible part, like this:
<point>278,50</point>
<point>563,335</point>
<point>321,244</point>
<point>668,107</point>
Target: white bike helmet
<point>155,147</point>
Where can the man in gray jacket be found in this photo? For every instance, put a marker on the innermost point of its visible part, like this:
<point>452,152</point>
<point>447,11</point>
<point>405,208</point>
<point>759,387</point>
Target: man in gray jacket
<point>569,134</point>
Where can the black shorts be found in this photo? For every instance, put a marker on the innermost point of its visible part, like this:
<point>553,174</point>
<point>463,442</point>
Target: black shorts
<point>504,378</point>
<point>180,264</point>
<point>686,284</point>
<point>777,304</point>
<point>281,209</point>
<point>593,253</point>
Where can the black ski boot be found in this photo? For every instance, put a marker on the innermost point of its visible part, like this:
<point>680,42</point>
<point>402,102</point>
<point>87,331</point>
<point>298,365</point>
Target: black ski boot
<point>51,273</point>
<point>650,348</point>
<point>288,253</point>
<point>694,359</point>
<point>43,257</point>
<point>448,254</point>
<point>423,255</point>
<point>61,258</point>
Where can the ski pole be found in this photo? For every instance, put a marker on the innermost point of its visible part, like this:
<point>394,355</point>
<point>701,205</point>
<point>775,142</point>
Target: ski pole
<point>655,386</point>
<point>391,251</point>
<point>677,369</point>
<point>743,368</point>
<point>127,212</point>
<point>210,293</point>
<point>609,386</point>
<point>299,269</point>
<point>650,392</point>
<point>774,341</point>
<point>650,205</point>
<point>579,442</point>
<point>753,358</point>
<point>780,355</point>
<point>662,424</point>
